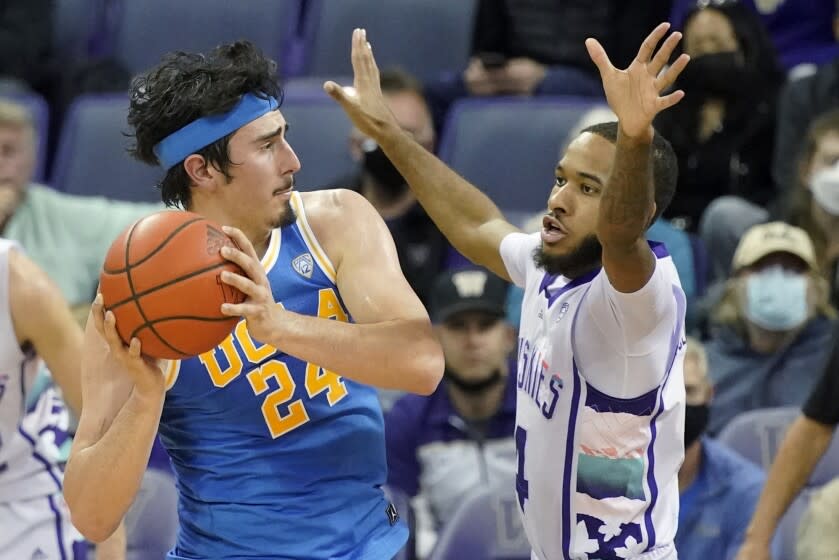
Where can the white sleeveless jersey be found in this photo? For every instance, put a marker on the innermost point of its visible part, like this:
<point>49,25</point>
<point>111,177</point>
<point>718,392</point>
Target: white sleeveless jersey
<point>30,432</point>
<point>600,410</point>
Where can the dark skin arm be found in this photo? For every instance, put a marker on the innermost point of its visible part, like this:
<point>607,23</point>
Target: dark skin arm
<point>627,205</point>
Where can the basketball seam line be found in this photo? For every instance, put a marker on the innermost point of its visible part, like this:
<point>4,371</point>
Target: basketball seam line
<point>162,244</point>
<point>166,284</point>
<point>128,268</point>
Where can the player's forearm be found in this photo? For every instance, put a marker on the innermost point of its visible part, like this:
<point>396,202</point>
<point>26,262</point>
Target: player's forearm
<point>628,197</point>
<point>802,447</point>
<point>400,354</point>
<point>456,206</point>
<point>102,478</point>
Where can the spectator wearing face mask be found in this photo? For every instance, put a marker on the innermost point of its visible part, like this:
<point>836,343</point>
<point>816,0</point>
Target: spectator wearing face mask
<point>722,131</point>
<point>718,488</point>
<point>824,213</point>
<point>811,202</point>
<point>422,250</point>
<point>771,329</point>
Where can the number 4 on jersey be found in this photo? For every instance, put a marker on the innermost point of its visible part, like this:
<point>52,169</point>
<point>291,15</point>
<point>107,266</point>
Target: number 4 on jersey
<point>521,483</point>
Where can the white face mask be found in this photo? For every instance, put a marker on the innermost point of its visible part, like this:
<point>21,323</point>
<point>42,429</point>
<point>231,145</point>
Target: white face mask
<point>776,299</point>
<point>825,189</point>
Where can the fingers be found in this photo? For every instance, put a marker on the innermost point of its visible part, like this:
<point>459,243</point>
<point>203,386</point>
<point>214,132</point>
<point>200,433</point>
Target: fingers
<point>365,71</point>
<point>241,309</point>
<point>345,96</point>
<point>241,240</point>
<point>111,335</point>
<point>664,53</point>
<point>599,57</point>
<point>649,44</point>
<point>98,313</point>
<point>669,77</point>
<point>249,264</point>
<point>244,285</point>
<point>669,100</point>
<point>134,349</point>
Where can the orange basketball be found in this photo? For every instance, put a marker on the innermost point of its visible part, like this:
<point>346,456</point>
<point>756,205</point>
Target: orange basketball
<point>162,280</point>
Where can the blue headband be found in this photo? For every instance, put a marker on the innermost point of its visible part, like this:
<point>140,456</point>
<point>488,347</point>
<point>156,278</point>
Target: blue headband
<point>202,132</point>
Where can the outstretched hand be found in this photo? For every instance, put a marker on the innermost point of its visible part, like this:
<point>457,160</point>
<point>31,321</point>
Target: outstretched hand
<point>634,94</point>
<point>363,102</point>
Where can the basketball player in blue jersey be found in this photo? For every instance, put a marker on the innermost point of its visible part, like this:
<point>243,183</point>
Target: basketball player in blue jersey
<point>276,435</point>
<point>600,407</point>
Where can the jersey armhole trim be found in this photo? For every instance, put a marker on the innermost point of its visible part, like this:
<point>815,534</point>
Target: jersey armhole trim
<point>311,241</point>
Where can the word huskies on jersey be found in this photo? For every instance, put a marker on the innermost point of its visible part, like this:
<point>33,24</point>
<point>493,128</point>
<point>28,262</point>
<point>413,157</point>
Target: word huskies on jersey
<point>533,378</point>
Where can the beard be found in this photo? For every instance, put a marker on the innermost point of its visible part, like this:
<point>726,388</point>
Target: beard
<point>286,218</point>
<point>584,257</point>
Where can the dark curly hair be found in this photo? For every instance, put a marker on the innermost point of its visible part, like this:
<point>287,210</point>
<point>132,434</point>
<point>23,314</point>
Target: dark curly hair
<point>665,165</point>
<point>184,87</point>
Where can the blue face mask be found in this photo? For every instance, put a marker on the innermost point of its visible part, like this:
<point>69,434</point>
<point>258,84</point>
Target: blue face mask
<point>776,299</point>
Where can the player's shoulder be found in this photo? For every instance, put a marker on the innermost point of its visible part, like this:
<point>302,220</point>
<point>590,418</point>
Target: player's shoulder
<point>333,203</point>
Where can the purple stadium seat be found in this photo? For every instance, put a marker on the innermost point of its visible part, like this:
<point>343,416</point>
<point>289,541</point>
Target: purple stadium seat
<point>143,31</point>
<point>319,132</point>
<point>424,37</point>
<point>485,527</point>
<point>509,147</point>
<point>92,158</point>
<point>757,434</point>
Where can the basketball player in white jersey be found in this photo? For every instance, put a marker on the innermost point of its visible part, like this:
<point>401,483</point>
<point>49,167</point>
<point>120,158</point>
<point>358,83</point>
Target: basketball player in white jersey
<point>36,327</point>
<point>600,408</point>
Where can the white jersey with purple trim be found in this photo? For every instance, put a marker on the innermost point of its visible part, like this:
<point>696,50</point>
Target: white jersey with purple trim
<point>32,431</point>
<point>600,410</point>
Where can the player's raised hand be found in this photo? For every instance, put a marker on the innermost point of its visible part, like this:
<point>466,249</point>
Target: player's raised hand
<point>258,309</point>
<point>364,103</point>
<point>145,372</point>
<point>634,94</point>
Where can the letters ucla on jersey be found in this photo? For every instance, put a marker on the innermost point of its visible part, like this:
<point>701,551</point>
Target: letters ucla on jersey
<point>275,457</point>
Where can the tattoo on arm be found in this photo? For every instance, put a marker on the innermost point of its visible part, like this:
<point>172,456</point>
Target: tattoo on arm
<point>629,194</point>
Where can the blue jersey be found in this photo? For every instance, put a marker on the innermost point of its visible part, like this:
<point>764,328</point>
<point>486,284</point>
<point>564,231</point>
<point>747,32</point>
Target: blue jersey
<point>275,457</point>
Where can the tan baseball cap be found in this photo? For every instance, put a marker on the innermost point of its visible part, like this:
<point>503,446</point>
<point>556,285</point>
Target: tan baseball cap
<point>774,237</point>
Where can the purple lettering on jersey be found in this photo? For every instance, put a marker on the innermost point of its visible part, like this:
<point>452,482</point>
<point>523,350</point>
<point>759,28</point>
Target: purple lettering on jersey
<point>533,379</point>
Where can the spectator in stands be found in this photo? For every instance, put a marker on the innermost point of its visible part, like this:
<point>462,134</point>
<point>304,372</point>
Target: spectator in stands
<point>771,328</point>
<point>65,235</point>
<point>804,444</point>
<point>537,47</point>
<point>423,251</point>
<point>719,489</point>
<point>460,438</point>
<point>722,130</point>
<point>800,103</point>
<point>728,217</point>
<point>802,31</point>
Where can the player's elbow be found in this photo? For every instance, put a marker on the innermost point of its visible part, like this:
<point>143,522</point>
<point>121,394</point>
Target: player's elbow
<point>428,366</point>
<point>91,524</point>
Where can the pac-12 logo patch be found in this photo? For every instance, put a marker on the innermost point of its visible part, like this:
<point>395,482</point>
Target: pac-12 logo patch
<point>303,264</point>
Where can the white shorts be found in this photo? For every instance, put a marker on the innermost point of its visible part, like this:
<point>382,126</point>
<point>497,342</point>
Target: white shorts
<point>39,529</point>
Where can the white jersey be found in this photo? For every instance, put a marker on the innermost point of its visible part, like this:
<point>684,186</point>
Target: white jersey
<point>31,430</point>
<point>600,410</point>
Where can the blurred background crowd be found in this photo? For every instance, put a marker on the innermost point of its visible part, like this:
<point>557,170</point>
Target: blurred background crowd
<point>496,88</point>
